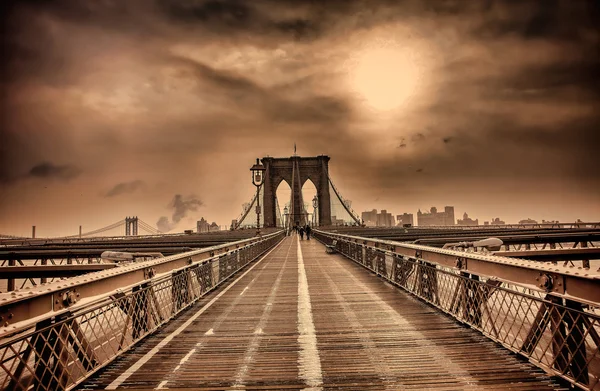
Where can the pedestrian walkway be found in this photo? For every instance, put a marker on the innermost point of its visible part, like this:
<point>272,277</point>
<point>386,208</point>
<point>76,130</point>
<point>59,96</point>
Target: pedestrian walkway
<point>299,318</point>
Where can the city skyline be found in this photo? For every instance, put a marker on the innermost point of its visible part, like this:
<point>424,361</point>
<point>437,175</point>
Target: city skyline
<point>158,109</point>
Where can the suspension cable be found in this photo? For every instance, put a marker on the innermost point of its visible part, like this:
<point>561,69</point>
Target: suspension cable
<point>350,211</point>
<point>245,212</point>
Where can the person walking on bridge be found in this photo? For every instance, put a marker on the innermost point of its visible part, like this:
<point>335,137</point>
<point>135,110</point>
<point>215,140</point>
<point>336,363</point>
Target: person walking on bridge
<point>308,231</point>
<point>301,230</point>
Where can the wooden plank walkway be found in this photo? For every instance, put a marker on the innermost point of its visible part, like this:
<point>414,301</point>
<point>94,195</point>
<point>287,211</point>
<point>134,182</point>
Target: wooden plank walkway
<point>302,319</point>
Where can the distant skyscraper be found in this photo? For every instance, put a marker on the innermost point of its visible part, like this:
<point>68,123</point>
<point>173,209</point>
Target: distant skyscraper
<point>370,217</point>
<point>467,221</point>
<point>449,211</point>
<point>497,221</point>
<point>405,219</point>
<point>374,219</point>
<point>385,219</point>
<point>436,218</point>
<point>202,225</point>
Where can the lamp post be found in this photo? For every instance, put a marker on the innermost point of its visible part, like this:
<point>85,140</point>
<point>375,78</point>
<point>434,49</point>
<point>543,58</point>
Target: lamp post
<point>285,217</point>
<point>315,202</point>
<point>258,178</point>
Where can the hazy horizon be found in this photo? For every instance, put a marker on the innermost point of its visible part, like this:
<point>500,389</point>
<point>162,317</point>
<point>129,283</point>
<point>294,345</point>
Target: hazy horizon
<point>159,108</point>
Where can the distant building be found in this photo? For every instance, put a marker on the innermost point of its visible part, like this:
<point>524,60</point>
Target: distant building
<point>405,219</point>
<point>467,221</point>
<point>385,219</point>
<point>550,222</point>
<point>528,221</point>
<point>202,226</point>
<point>374,219</point>
<point>214,227</point>
<point>497,221</point>
<point>436,218</point>
<point>369,218</point>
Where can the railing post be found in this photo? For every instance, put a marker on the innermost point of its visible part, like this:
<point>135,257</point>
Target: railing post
<point>51,355</point>
<point>10,283</point>
<point>380,263</point>
<point>559,335</point>
<point>576,341</point>
<point>81,346</point>
<point>180,289</point>
<point>427,281</point>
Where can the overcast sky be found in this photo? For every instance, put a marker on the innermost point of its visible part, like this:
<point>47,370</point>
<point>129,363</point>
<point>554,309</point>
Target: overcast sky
<point>113,108</point>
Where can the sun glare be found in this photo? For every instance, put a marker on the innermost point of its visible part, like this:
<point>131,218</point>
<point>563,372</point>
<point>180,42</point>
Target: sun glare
<point>386,78</point>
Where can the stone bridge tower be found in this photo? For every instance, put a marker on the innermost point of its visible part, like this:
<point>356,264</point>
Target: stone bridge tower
<point>296,170</point>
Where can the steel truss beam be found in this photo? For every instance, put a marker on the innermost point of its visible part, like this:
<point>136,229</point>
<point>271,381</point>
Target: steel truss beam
<point>562,254</point>
<point>23,305</point>
<point>572,282</point>
<point>51,271</point>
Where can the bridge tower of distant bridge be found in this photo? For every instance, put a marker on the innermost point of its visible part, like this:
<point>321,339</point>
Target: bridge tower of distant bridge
<point>131,226</point>
<point>296,170</point>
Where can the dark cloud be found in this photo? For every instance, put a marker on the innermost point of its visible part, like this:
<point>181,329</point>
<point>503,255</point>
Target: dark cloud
<point>164,225</point>
<point>173,90</point>
<point>181,206</point>
<point>52,171</point>
<point>246,94</point>
<point>243,18</point>
<point>532,19</point>
<point>125,188</point>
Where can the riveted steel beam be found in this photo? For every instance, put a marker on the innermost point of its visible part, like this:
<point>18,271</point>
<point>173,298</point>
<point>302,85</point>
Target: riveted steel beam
<point>25,304</point>
<point>573,282</point>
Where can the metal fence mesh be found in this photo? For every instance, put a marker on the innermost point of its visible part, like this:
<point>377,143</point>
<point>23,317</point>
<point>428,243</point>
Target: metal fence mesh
<point>59,352</point>
<point>557,334</point>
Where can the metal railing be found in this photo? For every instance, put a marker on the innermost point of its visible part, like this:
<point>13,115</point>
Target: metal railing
<point>58,351</point>
<point>557,332</point>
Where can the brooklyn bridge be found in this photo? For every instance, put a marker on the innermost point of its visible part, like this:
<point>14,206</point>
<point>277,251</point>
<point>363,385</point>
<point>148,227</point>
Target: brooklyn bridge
<point>512,307</point>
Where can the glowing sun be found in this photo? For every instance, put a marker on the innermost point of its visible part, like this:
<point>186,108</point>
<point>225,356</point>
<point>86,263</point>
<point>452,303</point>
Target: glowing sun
<point>386,78</point>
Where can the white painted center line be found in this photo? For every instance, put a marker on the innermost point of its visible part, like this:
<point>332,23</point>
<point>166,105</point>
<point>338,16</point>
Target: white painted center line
<point>209,332</point>
<point>144,359</point>
<point>309,361</point>
<point>163,383</point>
<point>244,291</point>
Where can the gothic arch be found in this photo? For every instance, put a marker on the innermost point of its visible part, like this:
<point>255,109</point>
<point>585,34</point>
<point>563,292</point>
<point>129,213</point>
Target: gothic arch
<point>296,170</point>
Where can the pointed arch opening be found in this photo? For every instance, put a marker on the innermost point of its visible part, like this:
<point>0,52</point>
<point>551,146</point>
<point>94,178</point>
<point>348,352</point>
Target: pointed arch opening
<point>309,191</point>
<point>283,195</point>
